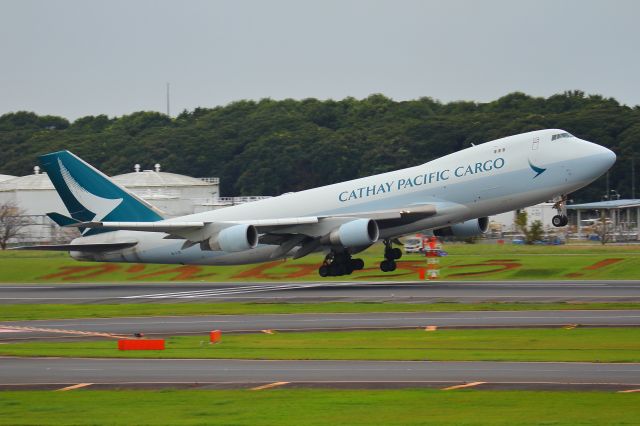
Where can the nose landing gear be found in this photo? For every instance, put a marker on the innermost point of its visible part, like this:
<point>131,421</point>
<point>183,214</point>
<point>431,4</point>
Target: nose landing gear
<point>561,218</point>
<point>337,264</point>
<point>390,256</point>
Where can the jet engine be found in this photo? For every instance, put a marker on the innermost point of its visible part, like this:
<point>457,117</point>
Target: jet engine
<point>233,239</point>
<point>356,233</point>
<point>469,228</point>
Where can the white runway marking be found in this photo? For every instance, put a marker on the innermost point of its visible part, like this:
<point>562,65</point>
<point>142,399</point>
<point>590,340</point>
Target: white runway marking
<point>2,287</point>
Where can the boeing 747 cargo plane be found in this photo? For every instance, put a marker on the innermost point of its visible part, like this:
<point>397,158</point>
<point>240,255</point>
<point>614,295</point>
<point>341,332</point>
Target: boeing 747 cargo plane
<point>452,195</point>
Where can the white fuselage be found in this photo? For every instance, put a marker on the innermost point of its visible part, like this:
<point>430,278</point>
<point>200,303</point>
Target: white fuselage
<point>482,180</point>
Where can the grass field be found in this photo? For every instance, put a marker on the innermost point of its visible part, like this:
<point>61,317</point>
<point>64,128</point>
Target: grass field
<point>62,311</point>
<point>576,345</point>
<point>464,262</point>
<point>318,407</point>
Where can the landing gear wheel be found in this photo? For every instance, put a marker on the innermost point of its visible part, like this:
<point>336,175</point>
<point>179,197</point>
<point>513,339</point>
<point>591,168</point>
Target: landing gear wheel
<point>323,271</point>
<point>337,264</point>
<point>559,220</point>
<point>390,256</point>
<point>336,269</point>
<point>387,266</point>
<point>396,253</point>
<point>357,264</point>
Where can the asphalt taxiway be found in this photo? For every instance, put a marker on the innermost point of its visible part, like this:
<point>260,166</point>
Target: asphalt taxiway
<point>48,372</point>
<point>419,291</point>
<point>203,324</point>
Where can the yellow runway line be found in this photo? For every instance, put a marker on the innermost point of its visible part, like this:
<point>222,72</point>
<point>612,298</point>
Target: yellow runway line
<point>468,385</point>
<point>629,391</point>
<point>79,385</point>
<point>58,330</point>
<point>270,385</point>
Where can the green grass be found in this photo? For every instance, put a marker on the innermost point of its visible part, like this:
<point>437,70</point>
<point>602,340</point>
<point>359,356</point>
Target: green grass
<point>318,407</point>
<point>576,345</point>
<point>43,312</point>
<point>465,262</point>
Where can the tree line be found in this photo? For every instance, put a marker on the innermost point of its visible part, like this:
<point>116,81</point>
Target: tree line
<point>269,147</point>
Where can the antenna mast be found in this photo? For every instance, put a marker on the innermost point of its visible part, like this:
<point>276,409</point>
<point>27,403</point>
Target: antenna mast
<point>168,104</point>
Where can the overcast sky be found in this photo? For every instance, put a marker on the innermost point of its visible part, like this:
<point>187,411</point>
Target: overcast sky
<point>77,58</point>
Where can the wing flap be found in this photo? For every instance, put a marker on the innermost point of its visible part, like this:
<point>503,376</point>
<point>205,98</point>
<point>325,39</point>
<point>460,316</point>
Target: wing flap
<point>414,211</point>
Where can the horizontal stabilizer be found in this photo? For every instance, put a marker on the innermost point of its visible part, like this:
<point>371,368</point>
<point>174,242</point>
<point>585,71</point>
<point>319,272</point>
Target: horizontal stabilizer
<point>141,226</point>
<point>61,219</point>
<point>97,247</point>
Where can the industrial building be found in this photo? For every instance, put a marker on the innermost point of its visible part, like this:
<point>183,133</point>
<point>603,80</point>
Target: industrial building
<point>174,194</point>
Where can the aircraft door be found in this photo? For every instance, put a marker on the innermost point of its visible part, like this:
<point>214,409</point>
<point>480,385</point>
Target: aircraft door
<point>535,143</point>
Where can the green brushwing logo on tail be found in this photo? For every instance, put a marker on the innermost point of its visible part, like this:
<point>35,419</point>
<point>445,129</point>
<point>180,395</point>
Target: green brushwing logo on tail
<point>536,169</point>
<point>90,195</point>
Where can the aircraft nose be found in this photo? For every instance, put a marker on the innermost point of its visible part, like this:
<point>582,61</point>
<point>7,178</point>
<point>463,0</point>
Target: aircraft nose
<point>601,158</point>
<point>606,157</point>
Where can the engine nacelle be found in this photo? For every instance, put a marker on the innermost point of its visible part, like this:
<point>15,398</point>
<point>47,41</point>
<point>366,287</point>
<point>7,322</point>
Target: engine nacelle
<point>357,233</point>
<point>466,229</point>
<point>234,238</point>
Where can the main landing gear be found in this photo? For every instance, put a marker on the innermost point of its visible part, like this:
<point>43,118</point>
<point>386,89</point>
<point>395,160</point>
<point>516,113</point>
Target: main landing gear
<point>336,264</point>
<point>390,256</point>
<point>561,218</point>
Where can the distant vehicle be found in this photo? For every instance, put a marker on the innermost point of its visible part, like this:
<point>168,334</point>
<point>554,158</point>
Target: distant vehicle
<point>452,195</point>
<point>413,245</point>
<point>518,239</point>
<point>545,241</point>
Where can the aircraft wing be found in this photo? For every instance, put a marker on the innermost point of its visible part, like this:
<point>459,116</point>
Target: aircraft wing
<point>287,233</point>
<point>409,214</point>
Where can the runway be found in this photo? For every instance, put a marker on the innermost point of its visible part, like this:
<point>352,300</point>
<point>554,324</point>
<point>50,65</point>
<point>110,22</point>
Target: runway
<point>419,291</point>
<point>58,372</point>
<point>203,324</point>
<point>52,373</point>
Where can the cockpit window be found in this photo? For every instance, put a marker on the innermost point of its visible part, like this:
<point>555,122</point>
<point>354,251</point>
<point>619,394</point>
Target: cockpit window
<point>561,135</point>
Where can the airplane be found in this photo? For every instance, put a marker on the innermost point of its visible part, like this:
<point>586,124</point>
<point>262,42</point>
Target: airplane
<point>450,196</point>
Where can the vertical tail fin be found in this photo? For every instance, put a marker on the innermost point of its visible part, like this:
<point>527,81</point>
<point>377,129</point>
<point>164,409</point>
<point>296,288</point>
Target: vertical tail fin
<point>90,195</point>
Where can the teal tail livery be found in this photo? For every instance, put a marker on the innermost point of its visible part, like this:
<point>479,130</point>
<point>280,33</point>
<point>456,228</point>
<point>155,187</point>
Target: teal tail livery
<point>90,196</point>
<point>449,196</point>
